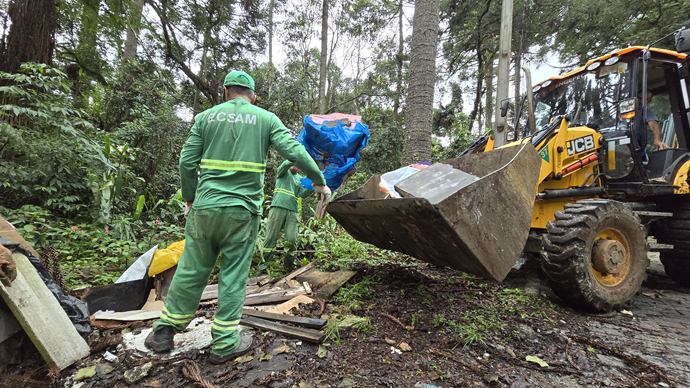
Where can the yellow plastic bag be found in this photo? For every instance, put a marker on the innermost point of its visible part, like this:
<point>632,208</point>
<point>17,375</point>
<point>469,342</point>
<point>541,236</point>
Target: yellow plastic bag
<point>166,258</point>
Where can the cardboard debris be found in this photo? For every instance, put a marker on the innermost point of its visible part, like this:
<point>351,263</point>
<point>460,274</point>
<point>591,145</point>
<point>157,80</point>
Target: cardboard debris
<point>152,304</point>
<point>284,308</point>
<point>136,315</point>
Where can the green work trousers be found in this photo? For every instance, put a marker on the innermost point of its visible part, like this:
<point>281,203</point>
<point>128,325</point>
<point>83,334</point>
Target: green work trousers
<point>286,220</point>
<point>231,231</point>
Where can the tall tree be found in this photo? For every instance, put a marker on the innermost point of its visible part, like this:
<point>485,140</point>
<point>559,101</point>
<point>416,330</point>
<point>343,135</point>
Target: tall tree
<point>399,64</point>
<point>323,68</point>
<point>420,94</point>
<point>133,23</point>
<point>31,35</point>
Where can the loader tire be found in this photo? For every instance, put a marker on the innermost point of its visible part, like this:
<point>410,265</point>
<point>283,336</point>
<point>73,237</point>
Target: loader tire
<point>595,254</point>
<point>675,230</point>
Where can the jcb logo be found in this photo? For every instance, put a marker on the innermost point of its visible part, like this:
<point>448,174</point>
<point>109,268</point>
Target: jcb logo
<point>581,144</point>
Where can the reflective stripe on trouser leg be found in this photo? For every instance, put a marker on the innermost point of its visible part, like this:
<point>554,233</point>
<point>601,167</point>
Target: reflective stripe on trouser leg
<point>232,283</point>
<point>276,219</point>
<point>193,270</point>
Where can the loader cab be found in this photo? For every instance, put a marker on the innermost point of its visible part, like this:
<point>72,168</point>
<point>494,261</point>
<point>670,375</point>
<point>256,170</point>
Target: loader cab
<point>666,100</point>
<point>603,96</point>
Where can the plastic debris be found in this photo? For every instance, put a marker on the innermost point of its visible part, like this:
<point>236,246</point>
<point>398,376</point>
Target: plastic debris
<point>137,271</point>
<point>111,357</point>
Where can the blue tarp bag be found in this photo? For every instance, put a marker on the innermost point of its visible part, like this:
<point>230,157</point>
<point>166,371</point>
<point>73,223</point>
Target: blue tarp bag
<point>337,146</point>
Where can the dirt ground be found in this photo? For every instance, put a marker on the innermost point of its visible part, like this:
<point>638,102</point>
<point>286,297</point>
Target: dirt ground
<point>425,326</point>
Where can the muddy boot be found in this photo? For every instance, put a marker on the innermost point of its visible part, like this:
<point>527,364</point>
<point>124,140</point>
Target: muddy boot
<point>245,343</point>
<point>160,341</point>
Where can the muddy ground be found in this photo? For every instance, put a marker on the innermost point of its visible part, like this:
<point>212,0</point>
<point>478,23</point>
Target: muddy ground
<point>425,326</point>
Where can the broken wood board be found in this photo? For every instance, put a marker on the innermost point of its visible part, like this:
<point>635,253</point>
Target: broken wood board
<point>163,281</point>
<point>254,299</point>
<point>211,291</point>
<point>325,284</point>
<point>42,317</point>
<point>136,315</point>
<point>293,274</point>
<point>273,296</point>
<point>9,232</point>
<point>284,308</point>
<point>309,335</point>
<point>312,323</point>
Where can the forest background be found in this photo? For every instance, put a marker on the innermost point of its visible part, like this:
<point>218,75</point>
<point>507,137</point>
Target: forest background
<point>97,97</point>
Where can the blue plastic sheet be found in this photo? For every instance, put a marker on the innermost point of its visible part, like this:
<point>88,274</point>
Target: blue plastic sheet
<point>335,146</point>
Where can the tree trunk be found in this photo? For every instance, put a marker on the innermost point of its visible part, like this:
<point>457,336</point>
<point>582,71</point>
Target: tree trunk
<point>480,85</point>
<point>133,22</point>
<point>271,5</point>
<point>399,65</point>
<point>518,78</point>
<point>32,34</point>
<point>203,66</point>
<point>420,93</point>
<point>87,55</point>
<point>324,58</point>
<point>489,110</point>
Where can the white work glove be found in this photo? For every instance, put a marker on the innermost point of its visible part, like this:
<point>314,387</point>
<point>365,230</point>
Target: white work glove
<point>322,193</point>
<point>187,208</point>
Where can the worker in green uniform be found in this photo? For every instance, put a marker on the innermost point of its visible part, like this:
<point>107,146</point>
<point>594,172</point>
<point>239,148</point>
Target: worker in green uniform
<point>284,213</point>
<point>222,168</point>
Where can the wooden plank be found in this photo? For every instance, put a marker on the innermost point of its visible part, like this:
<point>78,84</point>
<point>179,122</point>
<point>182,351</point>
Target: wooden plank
<point>211,291</point>
<point>8,231</point>
<point>163,281</point>
<point>273,296</point>
<point>325,284</point>
<point>42,317</point>
<point>312,323</point>
<point>309,335</point>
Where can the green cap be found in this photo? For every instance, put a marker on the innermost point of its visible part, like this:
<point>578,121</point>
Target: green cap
<point>239,78</point>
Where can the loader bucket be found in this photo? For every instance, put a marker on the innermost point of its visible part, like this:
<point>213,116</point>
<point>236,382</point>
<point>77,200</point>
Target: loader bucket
<point>476,222</point>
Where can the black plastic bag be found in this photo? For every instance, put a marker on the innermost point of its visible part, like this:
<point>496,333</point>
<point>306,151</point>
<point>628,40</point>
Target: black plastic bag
<point>76,309</point>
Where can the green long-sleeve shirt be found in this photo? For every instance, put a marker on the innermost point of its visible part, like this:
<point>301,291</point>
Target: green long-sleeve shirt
<point>229,143</point>
<point>288,188</point>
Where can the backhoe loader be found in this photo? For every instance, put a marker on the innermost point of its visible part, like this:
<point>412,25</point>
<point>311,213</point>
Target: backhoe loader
<point>582,186</point>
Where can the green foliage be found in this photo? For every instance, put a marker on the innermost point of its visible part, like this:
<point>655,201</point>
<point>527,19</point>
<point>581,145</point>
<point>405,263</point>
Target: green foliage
<point>335,248</point>
<point>384,151</point>
<point>481,324</point>
<point>46,145</point>
<point>91,254</point>
<point>351,295</point>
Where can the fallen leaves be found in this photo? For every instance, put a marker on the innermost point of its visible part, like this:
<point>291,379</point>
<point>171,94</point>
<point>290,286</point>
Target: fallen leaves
<point>537,360</point>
